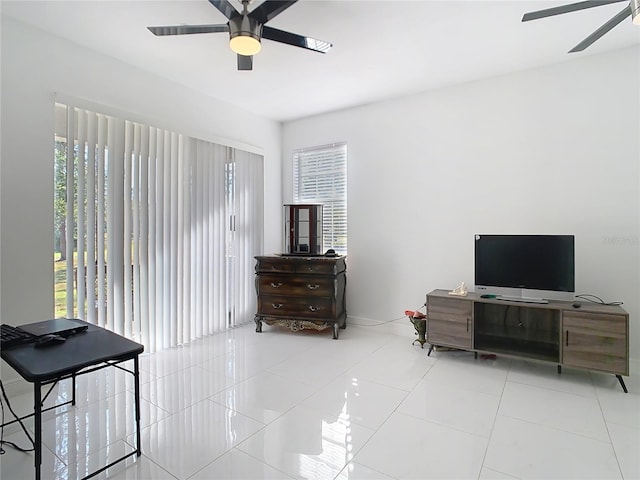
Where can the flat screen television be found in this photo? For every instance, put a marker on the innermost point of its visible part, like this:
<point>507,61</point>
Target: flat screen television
<point>532,268</point>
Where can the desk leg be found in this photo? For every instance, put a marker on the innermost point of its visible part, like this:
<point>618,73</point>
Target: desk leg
<point>136,376</point>
<point>37,412</point>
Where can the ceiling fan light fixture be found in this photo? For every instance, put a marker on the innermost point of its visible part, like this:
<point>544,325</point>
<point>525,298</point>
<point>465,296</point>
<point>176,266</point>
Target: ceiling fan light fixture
<point>245,45</point>
<point>635,11</point>
<point>244,35</point>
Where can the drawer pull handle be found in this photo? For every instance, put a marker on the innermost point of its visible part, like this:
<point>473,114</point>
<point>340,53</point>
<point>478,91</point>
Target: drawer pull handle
<point>311,269</point>
<point>313,309</point>
<point>567,339</point>
<point>277,306</point>
<point>313,287</point>
<point>276,285</point>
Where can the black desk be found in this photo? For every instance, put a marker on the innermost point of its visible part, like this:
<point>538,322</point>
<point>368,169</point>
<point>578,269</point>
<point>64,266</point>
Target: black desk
<point>92,350</point>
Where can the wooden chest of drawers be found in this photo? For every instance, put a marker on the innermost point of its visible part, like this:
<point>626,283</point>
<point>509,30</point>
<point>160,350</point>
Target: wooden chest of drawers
<point>301,292</point>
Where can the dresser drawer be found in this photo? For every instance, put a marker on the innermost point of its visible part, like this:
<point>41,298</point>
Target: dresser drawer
<point>315,267</point>
<point>308,286</point>
<point>308,308</point>
<point>275,265</point>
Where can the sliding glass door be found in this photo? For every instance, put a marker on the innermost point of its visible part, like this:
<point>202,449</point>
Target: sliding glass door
<point>155,231</point>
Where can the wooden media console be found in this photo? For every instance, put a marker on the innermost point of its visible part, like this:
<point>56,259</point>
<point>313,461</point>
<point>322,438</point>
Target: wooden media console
<point>591,337</point>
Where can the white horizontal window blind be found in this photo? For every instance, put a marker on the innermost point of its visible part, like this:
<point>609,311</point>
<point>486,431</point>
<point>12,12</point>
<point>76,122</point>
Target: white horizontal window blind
<point>320,176</point>
<point>151,239</point>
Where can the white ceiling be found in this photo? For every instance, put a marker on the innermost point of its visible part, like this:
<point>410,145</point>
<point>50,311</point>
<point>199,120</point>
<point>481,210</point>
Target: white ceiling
<point>382,49</point>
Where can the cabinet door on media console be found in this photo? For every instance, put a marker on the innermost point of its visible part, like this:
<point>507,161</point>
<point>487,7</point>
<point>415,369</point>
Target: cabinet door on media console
<point>450,322</point>
<point>596,341</point>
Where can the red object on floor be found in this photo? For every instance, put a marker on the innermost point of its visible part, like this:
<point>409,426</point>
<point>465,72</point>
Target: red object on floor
<point>488,356</point>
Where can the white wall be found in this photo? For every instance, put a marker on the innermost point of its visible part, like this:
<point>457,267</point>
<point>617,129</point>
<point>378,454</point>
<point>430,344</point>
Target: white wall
<point>547,151</point>
<point>552,150</point>
<point>35,67</point>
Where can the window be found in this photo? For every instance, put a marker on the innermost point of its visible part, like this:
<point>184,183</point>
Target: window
<point>320,176</point>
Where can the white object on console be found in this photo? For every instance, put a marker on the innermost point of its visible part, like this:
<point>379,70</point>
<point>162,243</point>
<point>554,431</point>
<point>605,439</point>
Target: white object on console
<point>460,290</point>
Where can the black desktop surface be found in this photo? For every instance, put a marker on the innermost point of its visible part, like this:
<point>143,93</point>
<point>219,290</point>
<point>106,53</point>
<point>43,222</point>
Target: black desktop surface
<point>93,346</point>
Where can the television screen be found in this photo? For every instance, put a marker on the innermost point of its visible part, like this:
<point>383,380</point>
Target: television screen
<point>530,262</point>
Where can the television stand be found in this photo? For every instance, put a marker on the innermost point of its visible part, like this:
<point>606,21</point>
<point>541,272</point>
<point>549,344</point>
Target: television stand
<point>521,299</point>
<point>594,337</point>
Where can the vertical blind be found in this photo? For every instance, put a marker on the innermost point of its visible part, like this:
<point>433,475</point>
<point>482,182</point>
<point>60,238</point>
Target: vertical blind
<point>165,228</point>
<point>320,176</point>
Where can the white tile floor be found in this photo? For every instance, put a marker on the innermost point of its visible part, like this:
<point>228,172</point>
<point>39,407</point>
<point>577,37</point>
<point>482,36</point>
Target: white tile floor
<point>284,405</point>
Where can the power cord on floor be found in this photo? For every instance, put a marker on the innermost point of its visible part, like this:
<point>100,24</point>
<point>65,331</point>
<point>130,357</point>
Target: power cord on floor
<point>595,299</point>
<point>392,320</point>
<point>4,442</point>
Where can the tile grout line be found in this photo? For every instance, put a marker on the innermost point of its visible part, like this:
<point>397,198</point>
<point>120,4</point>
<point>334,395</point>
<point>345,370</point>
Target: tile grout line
<point>606,425</point>
<point>495,418</point>
<point>395,410</point>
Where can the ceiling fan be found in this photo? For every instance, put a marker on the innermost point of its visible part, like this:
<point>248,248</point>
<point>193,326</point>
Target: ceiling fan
<point>247,29</point>
<point>633,10</point>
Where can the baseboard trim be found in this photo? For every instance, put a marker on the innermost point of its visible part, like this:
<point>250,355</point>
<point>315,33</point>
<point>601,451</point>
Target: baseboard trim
<point>401,327</point>
<point>634,366</point>
<point>362,321</point>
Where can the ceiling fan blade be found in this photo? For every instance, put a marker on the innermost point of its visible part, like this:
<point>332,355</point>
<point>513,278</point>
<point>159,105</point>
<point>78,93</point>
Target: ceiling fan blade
<point>572,7</point>
<point>245,62</point>
<point>269,9</point>
<point>295,39</point>
<point>602,30</point>
<point>225,8</point>
<point>187,29</point>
